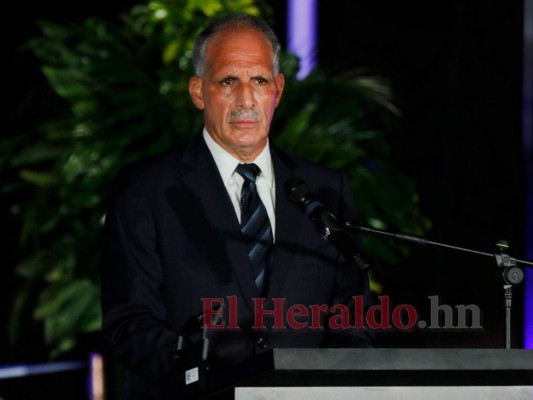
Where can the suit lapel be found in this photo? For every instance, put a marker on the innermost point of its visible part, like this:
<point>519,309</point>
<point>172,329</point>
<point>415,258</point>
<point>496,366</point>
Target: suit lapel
<point>203,180</point>
<point>288,221</point>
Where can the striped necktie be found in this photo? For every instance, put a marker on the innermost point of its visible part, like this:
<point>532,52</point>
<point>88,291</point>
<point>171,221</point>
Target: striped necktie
<point>255,225</point>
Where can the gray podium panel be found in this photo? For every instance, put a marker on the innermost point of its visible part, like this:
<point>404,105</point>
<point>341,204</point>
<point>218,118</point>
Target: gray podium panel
<point>389,393</point>
<point>397,367</point>
<point>403,359</point>
<point>308,374</point>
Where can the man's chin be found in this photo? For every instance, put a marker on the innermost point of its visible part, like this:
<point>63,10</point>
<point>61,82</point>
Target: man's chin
<point>249,148</point>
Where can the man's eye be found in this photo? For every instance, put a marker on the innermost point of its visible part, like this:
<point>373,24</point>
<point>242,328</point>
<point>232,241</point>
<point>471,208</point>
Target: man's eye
<point>227,81</point>
<point>261,81</point>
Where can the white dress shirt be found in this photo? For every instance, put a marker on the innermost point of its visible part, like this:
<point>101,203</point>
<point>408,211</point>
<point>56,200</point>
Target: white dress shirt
<point>226,164</point>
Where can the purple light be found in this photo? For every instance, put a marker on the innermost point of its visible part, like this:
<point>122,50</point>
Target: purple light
<point>527,133</point>
<point>302,33</point>
<point>528,309</point>
<point>96,377</point>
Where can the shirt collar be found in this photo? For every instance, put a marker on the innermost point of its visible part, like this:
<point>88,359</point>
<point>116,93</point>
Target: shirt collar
<point>227,163</point>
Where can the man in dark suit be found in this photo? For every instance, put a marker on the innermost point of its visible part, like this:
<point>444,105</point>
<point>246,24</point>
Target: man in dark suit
<point>191,228</point>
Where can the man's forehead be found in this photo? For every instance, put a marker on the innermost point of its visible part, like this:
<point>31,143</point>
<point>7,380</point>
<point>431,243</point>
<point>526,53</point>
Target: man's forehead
<point>240,52</point>
<point>240,70</point>
<point>241,73</point>
<point>239,31</point>
<point>241,36</point>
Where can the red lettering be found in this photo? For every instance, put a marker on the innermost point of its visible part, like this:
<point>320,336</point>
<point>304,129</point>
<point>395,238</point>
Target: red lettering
<point>358,312</point>
<point>297,310</point>
<point>384,312</point>
<point>341,320</point>
<point>316,318</point>
<point>232,312</point>
<point>412,316</point>
<point>260,312</point>
<point>209,312</point>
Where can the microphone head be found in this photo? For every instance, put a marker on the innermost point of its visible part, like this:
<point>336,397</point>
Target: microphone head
<point>297,192</point>
<point>300,195</point>
<point>329,220</point>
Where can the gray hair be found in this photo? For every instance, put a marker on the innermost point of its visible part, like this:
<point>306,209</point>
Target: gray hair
<point>231,22</point>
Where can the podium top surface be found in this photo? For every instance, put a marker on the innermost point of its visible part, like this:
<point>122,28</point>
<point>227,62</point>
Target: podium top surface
<point>402,359</point>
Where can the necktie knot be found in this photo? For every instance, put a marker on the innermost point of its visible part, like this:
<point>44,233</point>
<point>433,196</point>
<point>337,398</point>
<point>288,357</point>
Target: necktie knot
<point>248,171</point>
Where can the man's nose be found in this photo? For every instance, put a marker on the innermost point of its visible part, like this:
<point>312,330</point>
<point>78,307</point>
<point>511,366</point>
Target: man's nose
<point>245,96</point>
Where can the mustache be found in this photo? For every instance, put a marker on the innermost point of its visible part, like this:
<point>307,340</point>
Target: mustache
<point>244,114</point>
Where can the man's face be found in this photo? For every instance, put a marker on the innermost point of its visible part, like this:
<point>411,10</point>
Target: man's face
<point>238,92</point>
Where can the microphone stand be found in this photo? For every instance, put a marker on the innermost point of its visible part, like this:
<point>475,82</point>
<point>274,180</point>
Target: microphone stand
<point>512,274</point>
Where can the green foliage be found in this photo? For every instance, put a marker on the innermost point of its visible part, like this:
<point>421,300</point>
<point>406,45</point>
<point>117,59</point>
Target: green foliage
<point>342,123</point>
<point>124,90</point>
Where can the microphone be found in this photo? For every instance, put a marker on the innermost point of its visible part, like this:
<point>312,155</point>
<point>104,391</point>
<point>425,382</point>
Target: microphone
<point>325,222</point>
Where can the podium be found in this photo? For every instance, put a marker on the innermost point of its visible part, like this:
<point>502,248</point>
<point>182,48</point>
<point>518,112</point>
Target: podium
<point>371,374</point>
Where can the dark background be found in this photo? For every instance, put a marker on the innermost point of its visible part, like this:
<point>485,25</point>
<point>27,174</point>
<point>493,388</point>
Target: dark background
<point>455,68</point>
<point>456,71</point>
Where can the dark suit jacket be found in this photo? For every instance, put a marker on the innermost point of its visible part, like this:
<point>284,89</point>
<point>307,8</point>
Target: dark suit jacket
<point>172,238</point>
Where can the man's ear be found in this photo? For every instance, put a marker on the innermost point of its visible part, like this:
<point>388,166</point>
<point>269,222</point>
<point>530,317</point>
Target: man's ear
<point>280,83</point>
<point>195,90</point>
